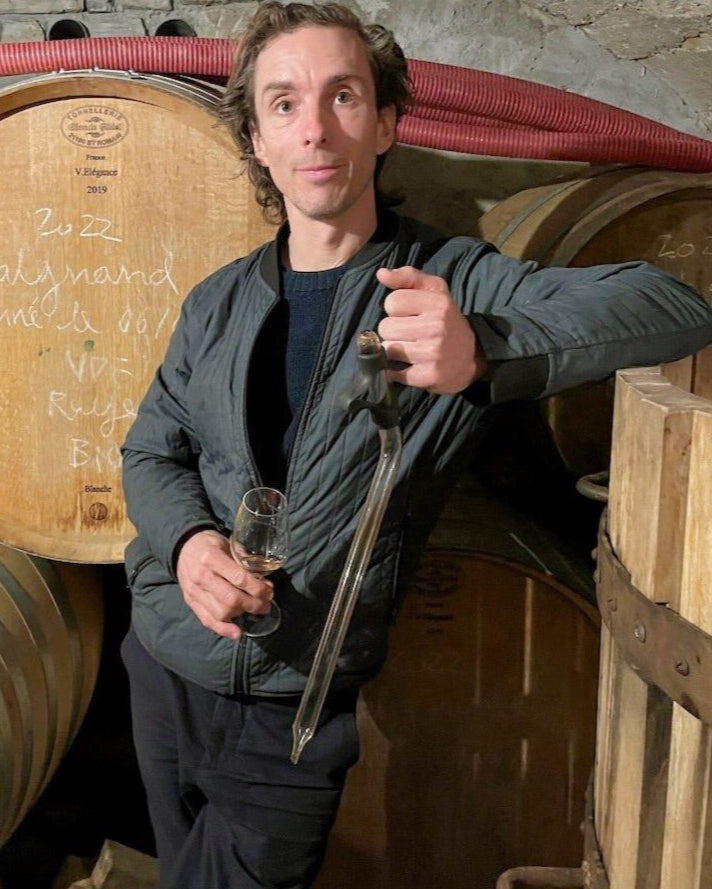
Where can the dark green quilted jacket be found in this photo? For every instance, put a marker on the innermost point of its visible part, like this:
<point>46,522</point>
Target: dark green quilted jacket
<point>187,458</point>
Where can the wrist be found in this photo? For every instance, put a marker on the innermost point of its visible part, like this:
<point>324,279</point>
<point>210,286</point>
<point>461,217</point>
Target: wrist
<point>480,364</point>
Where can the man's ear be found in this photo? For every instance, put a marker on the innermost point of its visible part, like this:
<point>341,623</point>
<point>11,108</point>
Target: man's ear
<point>258,148</point>
<point>386,128</point>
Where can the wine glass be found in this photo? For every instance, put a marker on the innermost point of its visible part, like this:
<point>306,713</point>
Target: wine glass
<point>260,543</point>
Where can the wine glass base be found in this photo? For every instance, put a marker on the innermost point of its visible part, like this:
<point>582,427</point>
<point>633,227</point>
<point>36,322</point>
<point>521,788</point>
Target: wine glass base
<point>257,625</point>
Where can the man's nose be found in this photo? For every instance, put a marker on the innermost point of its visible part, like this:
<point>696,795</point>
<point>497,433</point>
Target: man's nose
<point>314,124</point>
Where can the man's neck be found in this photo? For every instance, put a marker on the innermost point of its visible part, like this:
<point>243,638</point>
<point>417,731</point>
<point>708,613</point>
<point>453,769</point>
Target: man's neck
<point>314,245</point>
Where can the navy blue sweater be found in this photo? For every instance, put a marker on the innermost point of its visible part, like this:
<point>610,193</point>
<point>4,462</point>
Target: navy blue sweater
<point>283,364</point>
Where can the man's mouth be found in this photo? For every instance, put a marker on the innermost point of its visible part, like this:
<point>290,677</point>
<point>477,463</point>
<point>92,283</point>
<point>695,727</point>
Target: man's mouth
<point>319,172</point>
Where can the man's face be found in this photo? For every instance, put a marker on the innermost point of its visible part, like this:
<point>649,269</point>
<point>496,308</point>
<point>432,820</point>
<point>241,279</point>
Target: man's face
<point>318,129</point>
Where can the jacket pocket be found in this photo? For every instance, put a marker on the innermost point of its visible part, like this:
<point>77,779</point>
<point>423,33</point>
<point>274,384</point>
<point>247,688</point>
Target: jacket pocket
<point>136,557</point>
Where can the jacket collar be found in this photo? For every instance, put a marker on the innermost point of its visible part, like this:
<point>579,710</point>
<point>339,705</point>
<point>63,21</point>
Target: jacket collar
<point>389,225</point>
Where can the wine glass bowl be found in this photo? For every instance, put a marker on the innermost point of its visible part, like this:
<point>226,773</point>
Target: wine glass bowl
<point>260,543</point>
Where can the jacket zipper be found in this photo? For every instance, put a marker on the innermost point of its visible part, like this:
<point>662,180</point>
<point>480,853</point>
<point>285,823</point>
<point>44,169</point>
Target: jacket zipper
<point>315,373</point>
<point>241,645</point>
<point>238,678</point>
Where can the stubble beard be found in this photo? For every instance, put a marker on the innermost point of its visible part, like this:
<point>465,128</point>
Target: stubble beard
<point>331,206</point>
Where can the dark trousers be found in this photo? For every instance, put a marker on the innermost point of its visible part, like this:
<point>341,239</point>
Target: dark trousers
<point>229,809</point>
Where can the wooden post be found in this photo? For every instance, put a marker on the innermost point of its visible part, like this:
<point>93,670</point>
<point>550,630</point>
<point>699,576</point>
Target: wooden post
<point>654,757</point>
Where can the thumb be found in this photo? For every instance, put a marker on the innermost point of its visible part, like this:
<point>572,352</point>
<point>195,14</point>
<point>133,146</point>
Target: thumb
<point>408,278</point>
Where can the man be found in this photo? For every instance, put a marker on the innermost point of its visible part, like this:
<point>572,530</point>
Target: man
<point>251,392</point>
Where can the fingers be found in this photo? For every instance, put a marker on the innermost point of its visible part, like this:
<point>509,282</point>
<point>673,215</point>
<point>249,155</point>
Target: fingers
<point>413,292</point>
<point>409,278</point>
<point>223,628</point>
<point>216,587</point>
<point>415,352</point>
<point>239,577</point>
<point>405,303</point>
<point>416,327</point>
<point>425,328</point>
<point>215,607</point>
<point>423,376</point>
<point>215,573</point>
<point>226,595</point>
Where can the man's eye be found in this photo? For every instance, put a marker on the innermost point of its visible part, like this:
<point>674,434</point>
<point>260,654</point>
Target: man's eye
<point>284,106</point>
<point>342,97</point>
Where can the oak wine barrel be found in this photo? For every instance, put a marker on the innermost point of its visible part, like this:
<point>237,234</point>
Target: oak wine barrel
<point>612,216</point>
<point>120,193</point>
<point>51,624</point>
<point>477,737</point>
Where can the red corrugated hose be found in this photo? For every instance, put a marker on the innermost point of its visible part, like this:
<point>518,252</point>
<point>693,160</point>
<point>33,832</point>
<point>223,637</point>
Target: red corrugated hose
<point>199,56</point>
<point>456,109</point>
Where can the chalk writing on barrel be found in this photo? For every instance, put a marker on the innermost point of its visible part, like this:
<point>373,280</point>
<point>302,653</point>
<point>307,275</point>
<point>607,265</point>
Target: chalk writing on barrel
<point>24,316</point>
<point>133,321</point>
<point>113,410</point>
<point>16,272</point>
<point>103,290</point>
<point>92,226</point>
<point>84,452</point>
<point>91,367</point>
<point>672,249</point>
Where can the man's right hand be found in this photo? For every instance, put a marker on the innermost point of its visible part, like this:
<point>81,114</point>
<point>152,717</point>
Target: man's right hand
<point>216,587</point>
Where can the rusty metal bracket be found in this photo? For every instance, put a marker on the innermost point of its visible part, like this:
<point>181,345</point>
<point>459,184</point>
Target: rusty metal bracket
<point>594,486</point>
<point>592,867</point>
<point>663,648</point>
<point>541,878</point>
<point>591,874</point>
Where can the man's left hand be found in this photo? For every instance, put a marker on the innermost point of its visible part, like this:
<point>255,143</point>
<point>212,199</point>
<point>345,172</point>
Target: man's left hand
<point>426,329</point>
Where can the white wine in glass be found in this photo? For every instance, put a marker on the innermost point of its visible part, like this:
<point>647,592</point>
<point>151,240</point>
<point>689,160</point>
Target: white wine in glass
<point>260,543</point>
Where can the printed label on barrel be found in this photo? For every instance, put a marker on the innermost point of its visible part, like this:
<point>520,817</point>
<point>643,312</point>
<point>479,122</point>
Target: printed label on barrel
<point>98,511</point>
<point>95,126</point>
<point>435,582</point>
<point>437,578</point>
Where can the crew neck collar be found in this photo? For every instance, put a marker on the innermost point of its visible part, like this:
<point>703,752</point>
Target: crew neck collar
<point>385,233</point>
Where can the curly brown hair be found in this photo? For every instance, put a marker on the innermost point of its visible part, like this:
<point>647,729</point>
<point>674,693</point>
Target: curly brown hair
<point>237,106</point>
